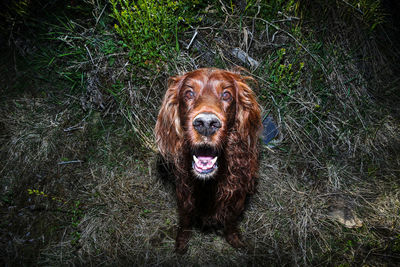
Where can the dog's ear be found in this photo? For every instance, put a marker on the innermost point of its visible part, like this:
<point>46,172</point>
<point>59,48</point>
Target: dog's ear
<point>168,130</point>
<point>248,112</point>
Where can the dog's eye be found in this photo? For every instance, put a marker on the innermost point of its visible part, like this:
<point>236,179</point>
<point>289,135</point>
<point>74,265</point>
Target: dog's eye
<point>226,96</point>
<point>189,94</point>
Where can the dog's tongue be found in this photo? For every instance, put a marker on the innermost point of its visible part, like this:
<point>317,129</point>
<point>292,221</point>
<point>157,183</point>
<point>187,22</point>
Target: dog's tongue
<point>204,163</point>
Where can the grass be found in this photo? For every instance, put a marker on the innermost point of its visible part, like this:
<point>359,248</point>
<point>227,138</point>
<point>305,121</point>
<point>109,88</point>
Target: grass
<point>78,115</point>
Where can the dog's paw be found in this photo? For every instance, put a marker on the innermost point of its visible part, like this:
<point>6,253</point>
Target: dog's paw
<point>234,240</point>
<point>182,240</point>
<point>181,248</point>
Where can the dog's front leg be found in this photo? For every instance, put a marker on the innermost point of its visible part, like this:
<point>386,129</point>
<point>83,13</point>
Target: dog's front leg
<point>231,230</point>
<point>185,212</point>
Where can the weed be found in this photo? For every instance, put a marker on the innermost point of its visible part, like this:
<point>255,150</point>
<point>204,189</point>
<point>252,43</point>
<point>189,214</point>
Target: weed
<point>149,28</point>
<point>75,211</point>
<point>43,194</point>
<point>396,246</point>
<point>76,216</point>
<point>283,77</point>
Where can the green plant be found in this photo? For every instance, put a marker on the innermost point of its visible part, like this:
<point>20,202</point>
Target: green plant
<point>270,9</point>
<point>370,12</point>
<point>74,210</point>
<point>77,214</point>
<point>283,77</point>
<point>396,246</point>
<point>148,27</point>
<point>39,193</point>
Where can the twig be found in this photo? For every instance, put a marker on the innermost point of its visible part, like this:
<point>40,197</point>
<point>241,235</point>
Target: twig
<point>284,20</point>
<point>70,162</point>
<point>101,13</point>
<point>73,128</point>
<point>194,36</point>
<point>287,18</point>
<point>90,55</point>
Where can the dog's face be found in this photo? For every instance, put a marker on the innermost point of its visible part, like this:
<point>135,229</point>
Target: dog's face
<point>203,110</point>
<point>207,108</point>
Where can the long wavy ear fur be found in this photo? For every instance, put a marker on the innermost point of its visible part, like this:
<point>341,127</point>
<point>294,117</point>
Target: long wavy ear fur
<point>168,130</point>
<point>248,112</point>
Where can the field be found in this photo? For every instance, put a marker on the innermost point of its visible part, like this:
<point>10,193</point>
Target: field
<point>81,85</point>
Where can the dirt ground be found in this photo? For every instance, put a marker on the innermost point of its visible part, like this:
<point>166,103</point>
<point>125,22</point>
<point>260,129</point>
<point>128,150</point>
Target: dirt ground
<point>80,181</point>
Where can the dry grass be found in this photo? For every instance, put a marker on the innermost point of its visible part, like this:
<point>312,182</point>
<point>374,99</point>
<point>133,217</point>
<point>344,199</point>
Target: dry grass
<point>336,162</point>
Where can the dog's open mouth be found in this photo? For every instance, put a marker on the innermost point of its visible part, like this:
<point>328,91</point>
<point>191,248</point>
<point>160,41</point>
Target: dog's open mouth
<point>205,162</point>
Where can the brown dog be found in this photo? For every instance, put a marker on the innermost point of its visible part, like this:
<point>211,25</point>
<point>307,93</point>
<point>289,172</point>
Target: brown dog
<point>208,129</point>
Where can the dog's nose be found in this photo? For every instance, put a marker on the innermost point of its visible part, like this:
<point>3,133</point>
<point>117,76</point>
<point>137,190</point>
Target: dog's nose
<point>206,124</point>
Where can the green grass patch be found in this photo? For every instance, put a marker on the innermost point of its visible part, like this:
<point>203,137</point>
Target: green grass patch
<point>149,28</point>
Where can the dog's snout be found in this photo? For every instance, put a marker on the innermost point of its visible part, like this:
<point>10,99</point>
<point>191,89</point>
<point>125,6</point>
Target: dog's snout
<point>206,124</point>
